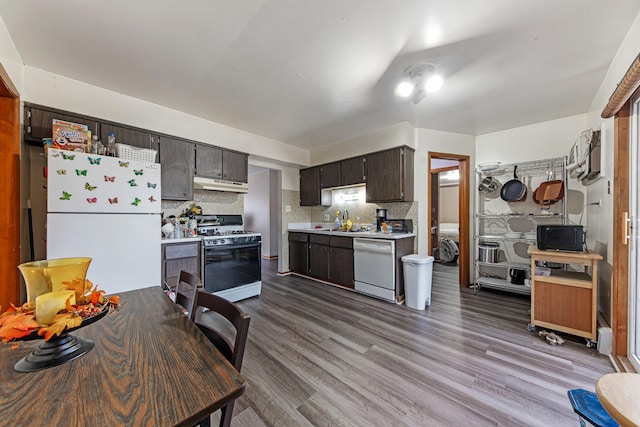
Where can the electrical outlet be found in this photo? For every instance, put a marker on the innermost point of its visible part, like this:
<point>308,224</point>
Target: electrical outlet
<point>326,217</point>
<point>357,218</point>
<point>287,208</point>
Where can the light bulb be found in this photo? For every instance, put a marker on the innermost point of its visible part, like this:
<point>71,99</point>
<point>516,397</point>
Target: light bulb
<point>433,84</point>
<point>404,89</point>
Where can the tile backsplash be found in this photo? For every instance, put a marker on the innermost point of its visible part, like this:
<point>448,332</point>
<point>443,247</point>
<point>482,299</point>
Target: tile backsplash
<point>211,202</point>
<point>353,200</point>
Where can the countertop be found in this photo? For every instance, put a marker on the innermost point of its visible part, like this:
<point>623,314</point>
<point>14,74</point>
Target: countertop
<point>181,240</point>
<point>354,234</point>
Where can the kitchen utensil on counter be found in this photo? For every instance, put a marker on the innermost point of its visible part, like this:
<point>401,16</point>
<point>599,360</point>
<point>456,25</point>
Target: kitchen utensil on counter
<point>167,230</point>
<point>488,185</point>
<point>514,190</point>
<point>517,276</point>
<point>488,252</point>
<point>381,216</point>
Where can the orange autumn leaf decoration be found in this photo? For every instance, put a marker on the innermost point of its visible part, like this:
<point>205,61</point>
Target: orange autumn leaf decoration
<point>96,296</point>
<point>81,288</point>
<point>17,325</point>
<point>19,322</point>
<point>61,322</point>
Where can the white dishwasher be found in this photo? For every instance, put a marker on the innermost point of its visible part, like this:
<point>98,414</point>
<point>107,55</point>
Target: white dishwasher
<point>375,267</point>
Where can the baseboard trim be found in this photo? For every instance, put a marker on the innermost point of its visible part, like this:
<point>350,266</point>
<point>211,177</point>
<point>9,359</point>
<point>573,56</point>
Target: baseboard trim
<point>622,364</point>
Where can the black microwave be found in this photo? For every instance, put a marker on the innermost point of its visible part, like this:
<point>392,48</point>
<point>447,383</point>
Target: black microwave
<point>561,238</point>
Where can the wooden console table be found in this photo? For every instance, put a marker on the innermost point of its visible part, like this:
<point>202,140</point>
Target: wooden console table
<point>565,301</point>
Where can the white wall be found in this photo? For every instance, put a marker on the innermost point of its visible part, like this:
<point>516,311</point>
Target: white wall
<point>10,58</point>
<point>539,141</point>
<point>257,212</point>
<point>442,142</point>
<point>600,221</point>
<point>448,204</point>
<point>275,207</point>
<point>290,174</point>
<point>45,88</point>
<point>422,140</point>
<point>389,137</point>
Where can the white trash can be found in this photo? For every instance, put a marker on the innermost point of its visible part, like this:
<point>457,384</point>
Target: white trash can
<point>418,270</point>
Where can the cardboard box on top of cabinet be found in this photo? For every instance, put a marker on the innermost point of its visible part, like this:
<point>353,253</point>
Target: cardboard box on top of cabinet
<point>70,136</point>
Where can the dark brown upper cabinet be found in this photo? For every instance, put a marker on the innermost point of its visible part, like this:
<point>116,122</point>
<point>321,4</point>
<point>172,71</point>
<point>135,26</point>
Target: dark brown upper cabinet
<point>208,161</point>
<point>343,172</point>
<point>177,157</point>
<point>352,171</point>
<point>310,186</point>
<point>218,163</point>
<point>235,166</point>
<point>330,175</point>
<point>130,136</point>
<point>390,175</point>
<point>38,123</point>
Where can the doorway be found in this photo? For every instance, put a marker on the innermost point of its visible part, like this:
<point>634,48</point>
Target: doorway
<point>452,165</point>
<point>262,208</point>
<point>10,177</point>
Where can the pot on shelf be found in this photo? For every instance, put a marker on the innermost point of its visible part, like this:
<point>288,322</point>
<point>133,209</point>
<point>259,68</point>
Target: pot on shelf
<point>488,252</point>
<point>488,185</point>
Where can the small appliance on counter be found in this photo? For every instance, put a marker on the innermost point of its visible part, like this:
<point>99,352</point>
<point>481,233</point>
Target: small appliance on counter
<point>381,216</point>
<point>400,225</point>
<point>561,238</point>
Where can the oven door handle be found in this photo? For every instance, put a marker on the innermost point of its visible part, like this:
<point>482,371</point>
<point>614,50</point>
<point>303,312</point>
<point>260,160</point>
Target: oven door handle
<point>230,248</point>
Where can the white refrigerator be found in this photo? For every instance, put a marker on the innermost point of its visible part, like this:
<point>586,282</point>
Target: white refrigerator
<point>108,209</point>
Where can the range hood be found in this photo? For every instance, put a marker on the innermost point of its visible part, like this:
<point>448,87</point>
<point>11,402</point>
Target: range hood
<point>209,184</point>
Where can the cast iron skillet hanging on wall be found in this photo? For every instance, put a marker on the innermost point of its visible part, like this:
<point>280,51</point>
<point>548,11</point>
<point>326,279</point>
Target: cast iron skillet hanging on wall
<point>513,190</point>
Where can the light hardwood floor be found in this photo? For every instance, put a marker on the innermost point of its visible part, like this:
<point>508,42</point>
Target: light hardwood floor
<point>319,355</point>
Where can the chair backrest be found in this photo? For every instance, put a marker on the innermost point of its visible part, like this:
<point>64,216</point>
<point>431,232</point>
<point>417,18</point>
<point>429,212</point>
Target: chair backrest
<point>188,284</point>
<point>230,311</point>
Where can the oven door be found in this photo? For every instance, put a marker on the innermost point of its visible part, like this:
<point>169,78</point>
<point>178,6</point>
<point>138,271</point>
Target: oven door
<point>230,266</point>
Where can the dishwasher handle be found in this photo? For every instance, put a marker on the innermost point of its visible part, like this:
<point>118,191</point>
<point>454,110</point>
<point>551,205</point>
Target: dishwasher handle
<point>374,245</point>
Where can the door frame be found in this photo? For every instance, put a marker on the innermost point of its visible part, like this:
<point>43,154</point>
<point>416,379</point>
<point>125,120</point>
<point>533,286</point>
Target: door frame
<point>10,199</point>
<point>620,279</point>
<point>464,168</point>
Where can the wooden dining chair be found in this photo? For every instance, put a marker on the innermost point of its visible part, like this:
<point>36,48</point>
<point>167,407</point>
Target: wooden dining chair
<point>223,341</point>
<point>188,285</point>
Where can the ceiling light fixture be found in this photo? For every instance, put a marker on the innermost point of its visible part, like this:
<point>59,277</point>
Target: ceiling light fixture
<point>418,79</point>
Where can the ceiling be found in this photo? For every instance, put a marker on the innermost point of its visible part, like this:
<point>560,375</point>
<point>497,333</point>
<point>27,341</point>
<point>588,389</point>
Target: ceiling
<point>311,73</point>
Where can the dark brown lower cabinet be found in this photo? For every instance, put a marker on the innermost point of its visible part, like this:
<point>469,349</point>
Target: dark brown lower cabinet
<point>319,256</point>
<point>341,266</point>
<point>299,257</point>
<point>180,256</point>
<point>341,261</point>
<point>323,257</point>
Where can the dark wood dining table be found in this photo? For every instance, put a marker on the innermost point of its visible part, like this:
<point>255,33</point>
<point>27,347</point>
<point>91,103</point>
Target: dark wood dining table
<point>150,366</point>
